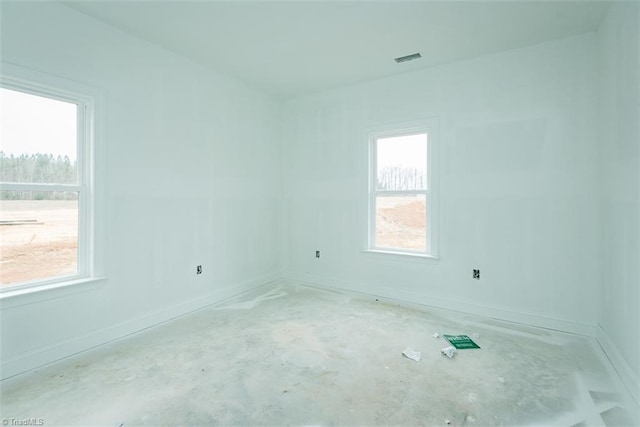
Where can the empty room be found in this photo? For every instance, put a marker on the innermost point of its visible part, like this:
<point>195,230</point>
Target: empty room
<point>320,213</point>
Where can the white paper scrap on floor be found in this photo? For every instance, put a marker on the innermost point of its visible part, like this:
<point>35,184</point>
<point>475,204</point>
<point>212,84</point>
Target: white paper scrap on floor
<point>412,354</point>
<point>295,355</point>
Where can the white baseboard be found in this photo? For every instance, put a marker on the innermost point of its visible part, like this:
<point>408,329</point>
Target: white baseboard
<point>53,353</point>
<point>294,277</point>
<point>629,378</point>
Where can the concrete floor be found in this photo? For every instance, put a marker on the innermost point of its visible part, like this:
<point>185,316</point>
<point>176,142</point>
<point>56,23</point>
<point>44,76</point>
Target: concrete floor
<point>301,356</point>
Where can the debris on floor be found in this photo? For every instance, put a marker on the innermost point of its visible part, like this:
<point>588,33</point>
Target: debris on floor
<point>248,305</point>
<point>461,342</point>
<point>436,335</point>
<point>448,351</point>
<point>412,354</point>
<point>447,421</point>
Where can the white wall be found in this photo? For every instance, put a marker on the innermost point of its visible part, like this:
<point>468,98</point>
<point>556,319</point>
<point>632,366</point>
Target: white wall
<point>518,191</point>
<point>192,177</point>
<point>619,138</point>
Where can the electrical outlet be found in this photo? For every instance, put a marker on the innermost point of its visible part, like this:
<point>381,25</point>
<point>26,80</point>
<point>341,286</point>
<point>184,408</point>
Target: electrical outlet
<point>476,274</point>
<point>198,269</point>
<point>317,254</point>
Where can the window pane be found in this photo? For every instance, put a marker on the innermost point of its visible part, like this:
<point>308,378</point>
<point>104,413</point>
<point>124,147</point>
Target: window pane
<point>38,235</point>
<point>39,139</point>
<point>402,162</point>
<point>401,222</point>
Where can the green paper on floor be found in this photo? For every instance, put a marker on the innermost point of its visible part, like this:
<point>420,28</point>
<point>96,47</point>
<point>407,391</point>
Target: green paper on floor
<point>461,342</point>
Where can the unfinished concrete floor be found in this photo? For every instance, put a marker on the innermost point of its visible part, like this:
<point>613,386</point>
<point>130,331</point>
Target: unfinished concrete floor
<point>302,356</point>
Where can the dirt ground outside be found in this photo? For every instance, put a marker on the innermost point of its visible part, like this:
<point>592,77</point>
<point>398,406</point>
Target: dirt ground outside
<point>38,239</point>
<point>401,222</point>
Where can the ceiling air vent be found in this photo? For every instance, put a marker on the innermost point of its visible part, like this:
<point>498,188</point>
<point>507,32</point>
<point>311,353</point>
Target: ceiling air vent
<point>408,58</point>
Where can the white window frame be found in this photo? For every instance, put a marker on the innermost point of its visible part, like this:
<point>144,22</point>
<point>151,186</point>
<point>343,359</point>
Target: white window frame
<point>89,101</point>
<point>425,126</point>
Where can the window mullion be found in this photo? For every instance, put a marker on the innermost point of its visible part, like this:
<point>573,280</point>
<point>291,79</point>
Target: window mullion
<point>27,186</point>
<point>373,185</point>
<point>400,192</point>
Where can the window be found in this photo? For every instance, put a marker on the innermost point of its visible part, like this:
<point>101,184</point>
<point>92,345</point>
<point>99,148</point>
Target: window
<point>46,182</point>
<point>402,203</point>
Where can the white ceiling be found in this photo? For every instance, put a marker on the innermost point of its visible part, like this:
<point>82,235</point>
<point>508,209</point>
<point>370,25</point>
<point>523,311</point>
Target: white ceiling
<point>292,48</point>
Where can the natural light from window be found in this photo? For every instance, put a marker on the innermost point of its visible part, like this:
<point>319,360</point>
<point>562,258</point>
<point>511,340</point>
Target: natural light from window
<point>400,195</point>
<point>39,216</point>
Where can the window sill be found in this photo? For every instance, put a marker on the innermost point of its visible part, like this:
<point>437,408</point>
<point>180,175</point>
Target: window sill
<point>400,256</point>
<point>34,294</point>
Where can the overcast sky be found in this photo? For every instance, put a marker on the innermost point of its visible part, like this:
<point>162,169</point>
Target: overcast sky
<point>32,124</point>
<point>404,151</point>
